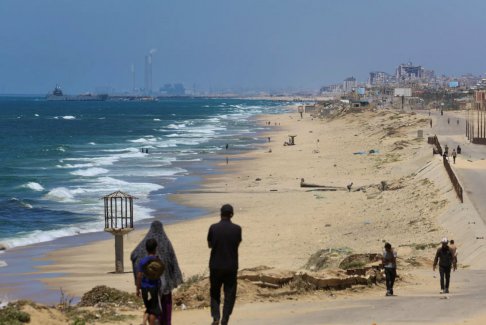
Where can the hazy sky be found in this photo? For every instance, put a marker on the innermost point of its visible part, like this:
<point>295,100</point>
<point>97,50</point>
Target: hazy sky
<point>264,44</point>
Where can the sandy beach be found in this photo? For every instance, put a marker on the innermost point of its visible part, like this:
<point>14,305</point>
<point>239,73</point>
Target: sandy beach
<point>283,223</point>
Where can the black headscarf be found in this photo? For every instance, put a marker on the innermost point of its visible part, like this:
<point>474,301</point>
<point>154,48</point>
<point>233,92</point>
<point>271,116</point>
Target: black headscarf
<point>172,276</point>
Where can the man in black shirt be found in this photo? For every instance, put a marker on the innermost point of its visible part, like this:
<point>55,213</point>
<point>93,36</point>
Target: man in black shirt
<point>447,260</point>
<point>224,238</point>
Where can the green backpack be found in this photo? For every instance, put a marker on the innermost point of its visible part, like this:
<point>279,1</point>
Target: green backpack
<point>154,269</point>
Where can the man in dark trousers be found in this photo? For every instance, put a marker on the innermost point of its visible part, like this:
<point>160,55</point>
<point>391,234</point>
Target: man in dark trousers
<point>224,239</point>
<point>447,260</point>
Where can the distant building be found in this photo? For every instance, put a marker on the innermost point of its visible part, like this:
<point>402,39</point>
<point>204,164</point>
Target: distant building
<point>453,84</point>
<point>349,84</point>
<point>331,88</point>
<point>409,72</point>
<point>429,75</point>
<point>173,90</point>
<point>405,92</point>
<point>378,78</point>
<point>476,122</point>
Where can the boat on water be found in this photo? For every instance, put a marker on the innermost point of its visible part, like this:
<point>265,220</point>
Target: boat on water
<point>57,94</point>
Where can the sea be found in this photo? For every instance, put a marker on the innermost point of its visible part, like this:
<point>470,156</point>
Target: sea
<point>58,159</point>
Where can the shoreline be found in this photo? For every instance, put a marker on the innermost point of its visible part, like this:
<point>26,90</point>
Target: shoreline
<point>224,188</point>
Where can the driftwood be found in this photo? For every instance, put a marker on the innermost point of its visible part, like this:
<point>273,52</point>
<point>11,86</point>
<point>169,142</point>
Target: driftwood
<point>321,187</point>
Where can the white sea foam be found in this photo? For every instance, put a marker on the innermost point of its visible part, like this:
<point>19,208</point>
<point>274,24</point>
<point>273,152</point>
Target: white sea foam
<point>90,172</point>
<point>60,194</point>
<point>34,186</point>
<point>39,236</point>
<point>102,160</point>
<point>26,205</point>
<point>147,139</point>
<point>69,117</point>
<point>75,165</point>
<point>92,143</point>
<point>138,189</point>
<point>36,115</point>
<point>2,264</point>
<point>131,149</point>
<point>177,126</point>
<point>155,172</point>
<point>156,119</point>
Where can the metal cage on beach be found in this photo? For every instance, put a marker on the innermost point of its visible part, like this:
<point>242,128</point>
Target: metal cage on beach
<point>118,211</point>
<point>118,221</point>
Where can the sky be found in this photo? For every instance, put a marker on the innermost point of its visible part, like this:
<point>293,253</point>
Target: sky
<point>231,44</point>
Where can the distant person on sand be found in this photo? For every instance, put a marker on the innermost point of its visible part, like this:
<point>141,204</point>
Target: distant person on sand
<point>390,265</point>
<point>447,261</point>
<point>227,146</point>
<point>172,276</point>
<point>224,238</point>
<point>446,150</point>
<point>459,149</point>
<point>454,155</point>
<point>430,122</point>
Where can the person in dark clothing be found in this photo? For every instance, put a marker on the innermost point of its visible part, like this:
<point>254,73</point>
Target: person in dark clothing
<point>224,239</point>
<point>172,276</point>
<point>459,149</point>
<point>447,261</point>
<point>390,265</point>
<point>454,155</point>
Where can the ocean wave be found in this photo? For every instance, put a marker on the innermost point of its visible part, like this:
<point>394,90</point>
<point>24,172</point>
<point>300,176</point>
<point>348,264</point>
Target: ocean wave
<point>36,115</point>
<point>177,126</point>
<point>61,149</point>
<point>89,162</point>
<point>92,143</point>
<point>21,203</point>
<point>60,194</point>
<point>146,139</point>
<point>2,264</point>
<point>131,149</point>
<point>90,172</point>
<point>75,165</point>
<point>34,186</point>
<point>40,236</point>
<point>69,117</point>
<point>138,189</point>
<point>156,119</point>
<point>155,172</point>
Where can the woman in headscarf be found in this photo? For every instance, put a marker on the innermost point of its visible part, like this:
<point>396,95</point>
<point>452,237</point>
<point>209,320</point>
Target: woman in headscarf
<point>172,276</point>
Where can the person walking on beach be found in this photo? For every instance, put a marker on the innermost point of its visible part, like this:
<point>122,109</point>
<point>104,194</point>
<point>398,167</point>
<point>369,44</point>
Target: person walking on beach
<point>390,265</point>
<point>148,282</point>
<point>447,261</point>
<point>172,276</point>
<point>224,238</point>
<point>430,122</point>
<point>454,155</point>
